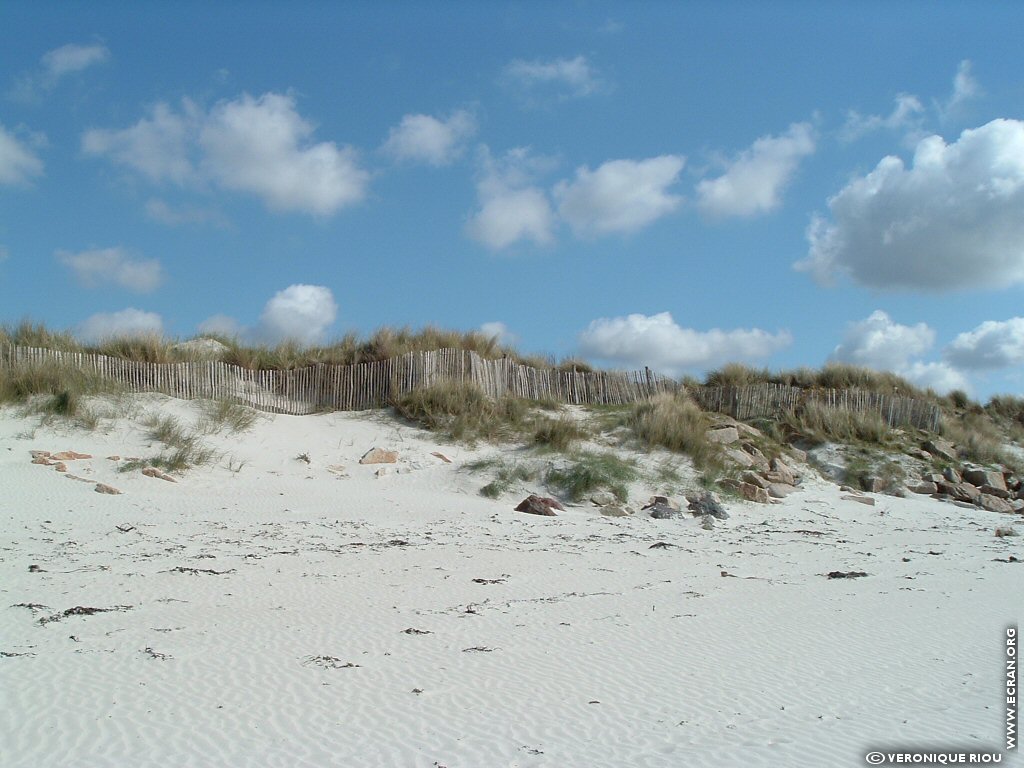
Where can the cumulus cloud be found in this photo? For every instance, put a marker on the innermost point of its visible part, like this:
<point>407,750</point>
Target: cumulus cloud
<point>753,183</point>
<point>158,146</point>
<point>621,196</point>
<point>878,342</point>
<point>953,220</point>
<point>127,322</point>
<point>263,146</point>
<point>571,77</point>
<point>426,139</point>
<point>498,330</point>
<point>906,114</point>
<point>937,376</point>
<point>991,345</point>
<point>511,207</point>
<point>299,313</point>
<point>105,266</point>
<point>260,146</point>
<point>659,342</point>
<point>18,163</point>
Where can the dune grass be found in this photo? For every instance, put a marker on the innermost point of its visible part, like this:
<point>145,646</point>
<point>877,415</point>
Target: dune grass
<point>677,423</point>
<point>588,472</point>
<point>463,412</point>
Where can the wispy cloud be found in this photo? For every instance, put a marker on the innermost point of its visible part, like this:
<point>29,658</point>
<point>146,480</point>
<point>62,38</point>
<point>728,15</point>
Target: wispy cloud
<point>557,78</point>
<point>18,163</point>
<point>113,266</point>
<point>54,66</point>
<point>127,322</point>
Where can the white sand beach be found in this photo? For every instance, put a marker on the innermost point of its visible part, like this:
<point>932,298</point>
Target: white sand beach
<point>277,612</point>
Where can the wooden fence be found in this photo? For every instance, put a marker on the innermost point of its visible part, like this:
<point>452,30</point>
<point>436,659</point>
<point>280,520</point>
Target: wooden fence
<point>772,400</point>
<point>364,386</point>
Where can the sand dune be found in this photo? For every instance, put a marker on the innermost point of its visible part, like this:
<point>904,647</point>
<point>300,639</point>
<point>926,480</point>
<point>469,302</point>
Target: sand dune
<point>272,611</point>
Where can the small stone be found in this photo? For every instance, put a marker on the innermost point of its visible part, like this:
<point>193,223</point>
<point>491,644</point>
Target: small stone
<point>539,505</point>
<point>44,460</point>
<point>379,456</point>
<point>39,454</point>
<point>707,522</point>
<point>113,458</point>
<point>108,489</point>
<point>70,456</point>
<point>661,511</point>
<point>60,466</point>
<point>754,493</point>
<point>441,456</point>
<point>860,499</point>
<point>617,510</point>
<point>1006,530</point>
<point>780,490</point>
<point>154,472</point>
<point>755,479</point>
<point>925,487</point>
<point>603,498</point>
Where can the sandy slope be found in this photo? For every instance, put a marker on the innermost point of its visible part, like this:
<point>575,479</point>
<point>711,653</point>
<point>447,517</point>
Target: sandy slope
<point>286,642</point>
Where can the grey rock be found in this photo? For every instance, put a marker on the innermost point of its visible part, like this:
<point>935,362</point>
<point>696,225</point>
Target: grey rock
<point>925,487</point>
<point>860,499</point>
<point>941,448</point>
<point>723,435</point>
<point>603,498</point>
<point>951,475</point>
<point>708,504</point>
<point>617,510</point>
<point>995,504</point>
<point>661,511</point>
<point>780,490</point>
<point>980,476</point>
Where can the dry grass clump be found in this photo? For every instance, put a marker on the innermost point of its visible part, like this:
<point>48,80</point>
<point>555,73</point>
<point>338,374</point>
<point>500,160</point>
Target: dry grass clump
<point>818,423</point>
<point>463,411</point>
<point>1007,407</point>
<point>558,434</point>
<point>29,334</point>
<point>675,422</point>
<point>979,439</point>
<point>506,476</point>
<point>185,448</point>
<point>590,472</point>
<point>224,415</point>
<point>55,391</point>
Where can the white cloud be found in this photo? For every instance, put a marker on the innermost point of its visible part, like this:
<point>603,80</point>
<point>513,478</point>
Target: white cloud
<point>620,196</point>
<point>657,341</point>
<point>54,65</point>
<point>425,139</point>
<point>511,207</point>
<point>991,345</point>
<point>965,88</point>
<point>18,163</point>
<point>937,376</point>
<point>104,266</point>
<point>263,146</point>
<point>73,58</point>
<point>498,330</point>
<point>906,114</point>
<point>258,146</point>
<point>575,75</point>
<point>953,220</point>
<point>160,210</point>
<point>221,325</point>
<point>299,313</point>
<point>753,183</point>
<point>157,146</point>
<point>127,322</point>
<point>877,342</point>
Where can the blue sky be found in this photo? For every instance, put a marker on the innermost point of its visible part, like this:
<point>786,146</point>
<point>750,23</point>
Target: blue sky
<point>679,185</point>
